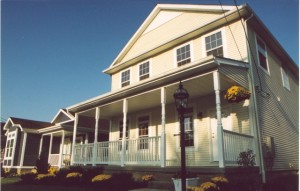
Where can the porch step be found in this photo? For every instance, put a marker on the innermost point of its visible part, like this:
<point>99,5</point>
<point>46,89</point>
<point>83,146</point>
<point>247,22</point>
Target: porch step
<point>161,184</point>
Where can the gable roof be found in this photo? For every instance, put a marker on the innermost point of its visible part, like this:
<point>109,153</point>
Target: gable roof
<point>26,123</point>
<point>122,61</point>
<point>159,16</point>
<point>62,116</point>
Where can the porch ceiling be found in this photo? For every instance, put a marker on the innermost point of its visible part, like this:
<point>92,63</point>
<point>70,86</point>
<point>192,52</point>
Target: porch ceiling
<point>196,86</point>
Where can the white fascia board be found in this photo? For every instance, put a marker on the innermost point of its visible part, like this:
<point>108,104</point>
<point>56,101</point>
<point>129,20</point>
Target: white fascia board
<point>65,113</point>
<point>9,121</point>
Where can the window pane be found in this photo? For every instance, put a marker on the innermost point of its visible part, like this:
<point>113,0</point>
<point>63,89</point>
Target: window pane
<point>213,44</point>
<point>183,55</point>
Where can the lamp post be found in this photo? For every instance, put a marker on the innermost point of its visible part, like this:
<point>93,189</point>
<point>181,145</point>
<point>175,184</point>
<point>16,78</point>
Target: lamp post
<point>181,101</point>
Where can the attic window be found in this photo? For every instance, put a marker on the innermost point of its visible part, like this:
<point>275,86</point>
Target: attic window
<point>125,78</point>
<point>285,79</point>
<point>183,55</point>
<point>214,45</point>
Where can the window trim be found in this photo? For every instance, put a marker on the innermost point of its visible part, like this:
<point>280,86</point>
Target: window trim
<point>180,46</point>
<point>267,71</point>
<point>129,80</point>
<point>137,128</point>
<point>15,133</point>
<point>149,73</point>
<point>224,42</point>
<point>285,75</point>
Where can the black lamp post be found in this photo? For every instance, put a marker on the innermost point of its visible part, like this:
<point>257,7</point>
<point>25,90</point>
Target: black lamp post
<point>181,100</point>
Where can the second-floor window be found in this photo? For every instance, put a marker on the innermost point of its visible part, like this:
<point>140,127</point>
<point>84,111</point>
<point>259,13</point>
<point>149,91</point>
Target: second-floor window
<point>143,125</point>
<point>125,78</point>
<point>183,55</point>
<point>214,44</point>
<point>285,78</point>
<point>144,71</point>
<point>262,54</point>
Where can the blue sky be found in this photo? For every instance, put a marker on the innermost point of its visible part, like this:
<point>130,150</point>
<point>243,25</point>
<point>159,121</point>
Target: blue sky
<point>53,52</point>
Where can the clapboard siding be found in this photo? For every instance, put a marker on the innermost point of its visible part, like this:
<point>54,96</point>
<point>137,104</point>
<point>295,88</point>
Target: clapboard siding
<point>238,75</point>
<point>278,109</point>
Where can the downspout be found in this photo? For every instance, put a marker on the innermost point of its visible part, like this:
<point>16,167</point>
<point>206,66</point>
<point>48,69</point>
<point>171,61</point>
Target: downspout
<point>262,166</point>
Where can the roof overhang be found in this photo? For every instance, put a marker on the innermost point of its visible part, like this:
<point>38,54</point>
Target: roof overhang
<point>195,68</point>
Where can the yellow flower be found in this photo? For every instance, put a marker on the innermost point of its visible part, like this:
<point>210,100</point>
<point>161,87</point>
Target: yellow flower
<point>194,188</point>
<point>33,171</point>
<point>237,94</point>
<point>74,175</point>
<point>209,186</point>
<point>219,179</point>
<point>101,177</point>
<point>52,170</point>
<point>147,177</point>
<point>43,176</point>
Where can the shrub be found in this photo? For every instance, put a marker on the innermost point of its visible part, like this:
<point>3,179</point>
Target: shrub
<point>73,178</point>
<point>209,186</point>
<point>147,178</point>
<point>28,178</point>
<point>101,178</point>
<point>53,170</point>
<point>246,159</point>
<point>221,182</point>
<point>45,178</point>
<point>90,173</point>
<point>122,181</point>
<point>194,188</point>
<point>42,164</point>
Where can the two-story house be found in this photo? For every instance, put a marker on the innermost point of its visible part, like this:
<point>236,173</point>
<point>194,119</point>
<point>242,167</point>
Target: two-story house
<point>208,48</point>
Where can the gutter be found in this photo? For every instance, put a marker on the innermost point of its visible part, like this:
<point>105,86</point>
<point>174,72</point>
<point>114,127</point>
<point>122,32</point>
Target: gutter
<point>262,166</point>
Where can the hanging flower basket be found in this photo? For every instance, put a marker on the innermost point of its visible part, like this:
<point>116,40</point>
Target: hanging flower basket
<point>237,94</point>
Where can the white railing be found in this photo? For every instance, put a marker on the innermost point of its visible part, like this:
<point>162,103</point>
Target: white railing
<point>234,143</point>
<point>143,151</point>
<point>83,153</point>
<point>53,159</point>
<point>138,151</point>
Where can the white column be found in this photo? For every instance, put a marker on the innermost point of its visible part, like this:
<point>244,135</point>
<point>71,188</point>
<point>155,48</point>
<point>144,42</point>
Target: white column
<point>50,147</point>
<point>23,149</point>
<point>163,126</point>
<point>41,145</point>
<point>97,117</point>
<point>74,137</point>
<point>219,120</point>
<point>125,109</point>
<point>62,142</point>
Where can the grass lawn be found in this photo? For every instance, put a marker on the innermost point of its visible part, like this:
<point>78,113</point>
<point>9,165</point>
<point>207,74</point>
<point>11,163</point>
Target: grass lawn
<point>13,184</point>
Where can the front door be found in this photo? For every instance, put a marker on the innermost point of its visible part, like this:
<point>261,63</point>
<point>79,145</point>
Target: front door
<point>226,123</point>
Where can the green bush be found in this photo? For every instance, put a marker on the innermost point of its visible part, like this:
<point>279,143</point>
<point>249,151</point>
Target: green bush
<point>48,179</point>
<point>122,181</point>
<point>73,178</point>
<point>42,164</point>
<point>89,173</point>
<point>28,178</point>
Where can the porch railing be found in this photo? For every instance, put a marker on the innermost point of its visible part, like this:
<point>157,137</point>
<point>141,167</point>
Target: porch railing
<point>138,151</point>
<point>234,143</point>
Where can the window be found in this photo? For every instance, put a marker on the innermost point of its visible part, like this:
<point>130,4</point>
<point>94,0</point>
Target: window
<point>285,78</point>
<point>9,149</point>
<point>262,54</point>
<point>144,71</point>
<point>183,55</point>
<point>143,125</point>
<point>125,78</point>
<point>121,132</point>
<point>189,133</point>
<point>214,45</point>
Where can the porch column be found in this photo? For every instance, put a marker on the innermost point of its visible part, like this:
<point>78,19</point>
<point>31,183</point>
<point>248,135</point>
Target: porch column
<point>74,137</point>
<point>163,130</point>
<point>50,147</point>
<point>61,158</point>
<point>41,145</point>
<point>219,120</point>
<point>125,109</point>
<point>23,149</point>
<point>97,117</point>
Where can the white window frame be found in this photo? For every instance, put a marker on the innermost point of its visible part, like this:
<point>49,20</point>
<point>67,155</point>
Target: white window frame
<point>224,42</point>
<point>191,53</point>
<point>149,73</point>
<point>264,52</point>
<point>137,128</point>
<point>10,136</point>
<point>285,78</point>
<point>129,80</point>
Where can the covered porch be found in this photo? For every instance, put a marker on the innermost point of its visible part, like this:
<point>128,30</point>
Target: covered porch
<point>216,142</point>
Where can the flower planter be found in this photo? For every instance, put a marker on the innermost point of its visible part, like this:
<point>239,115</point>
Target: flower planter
<point>189,182</point>
<point>236,94</point>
